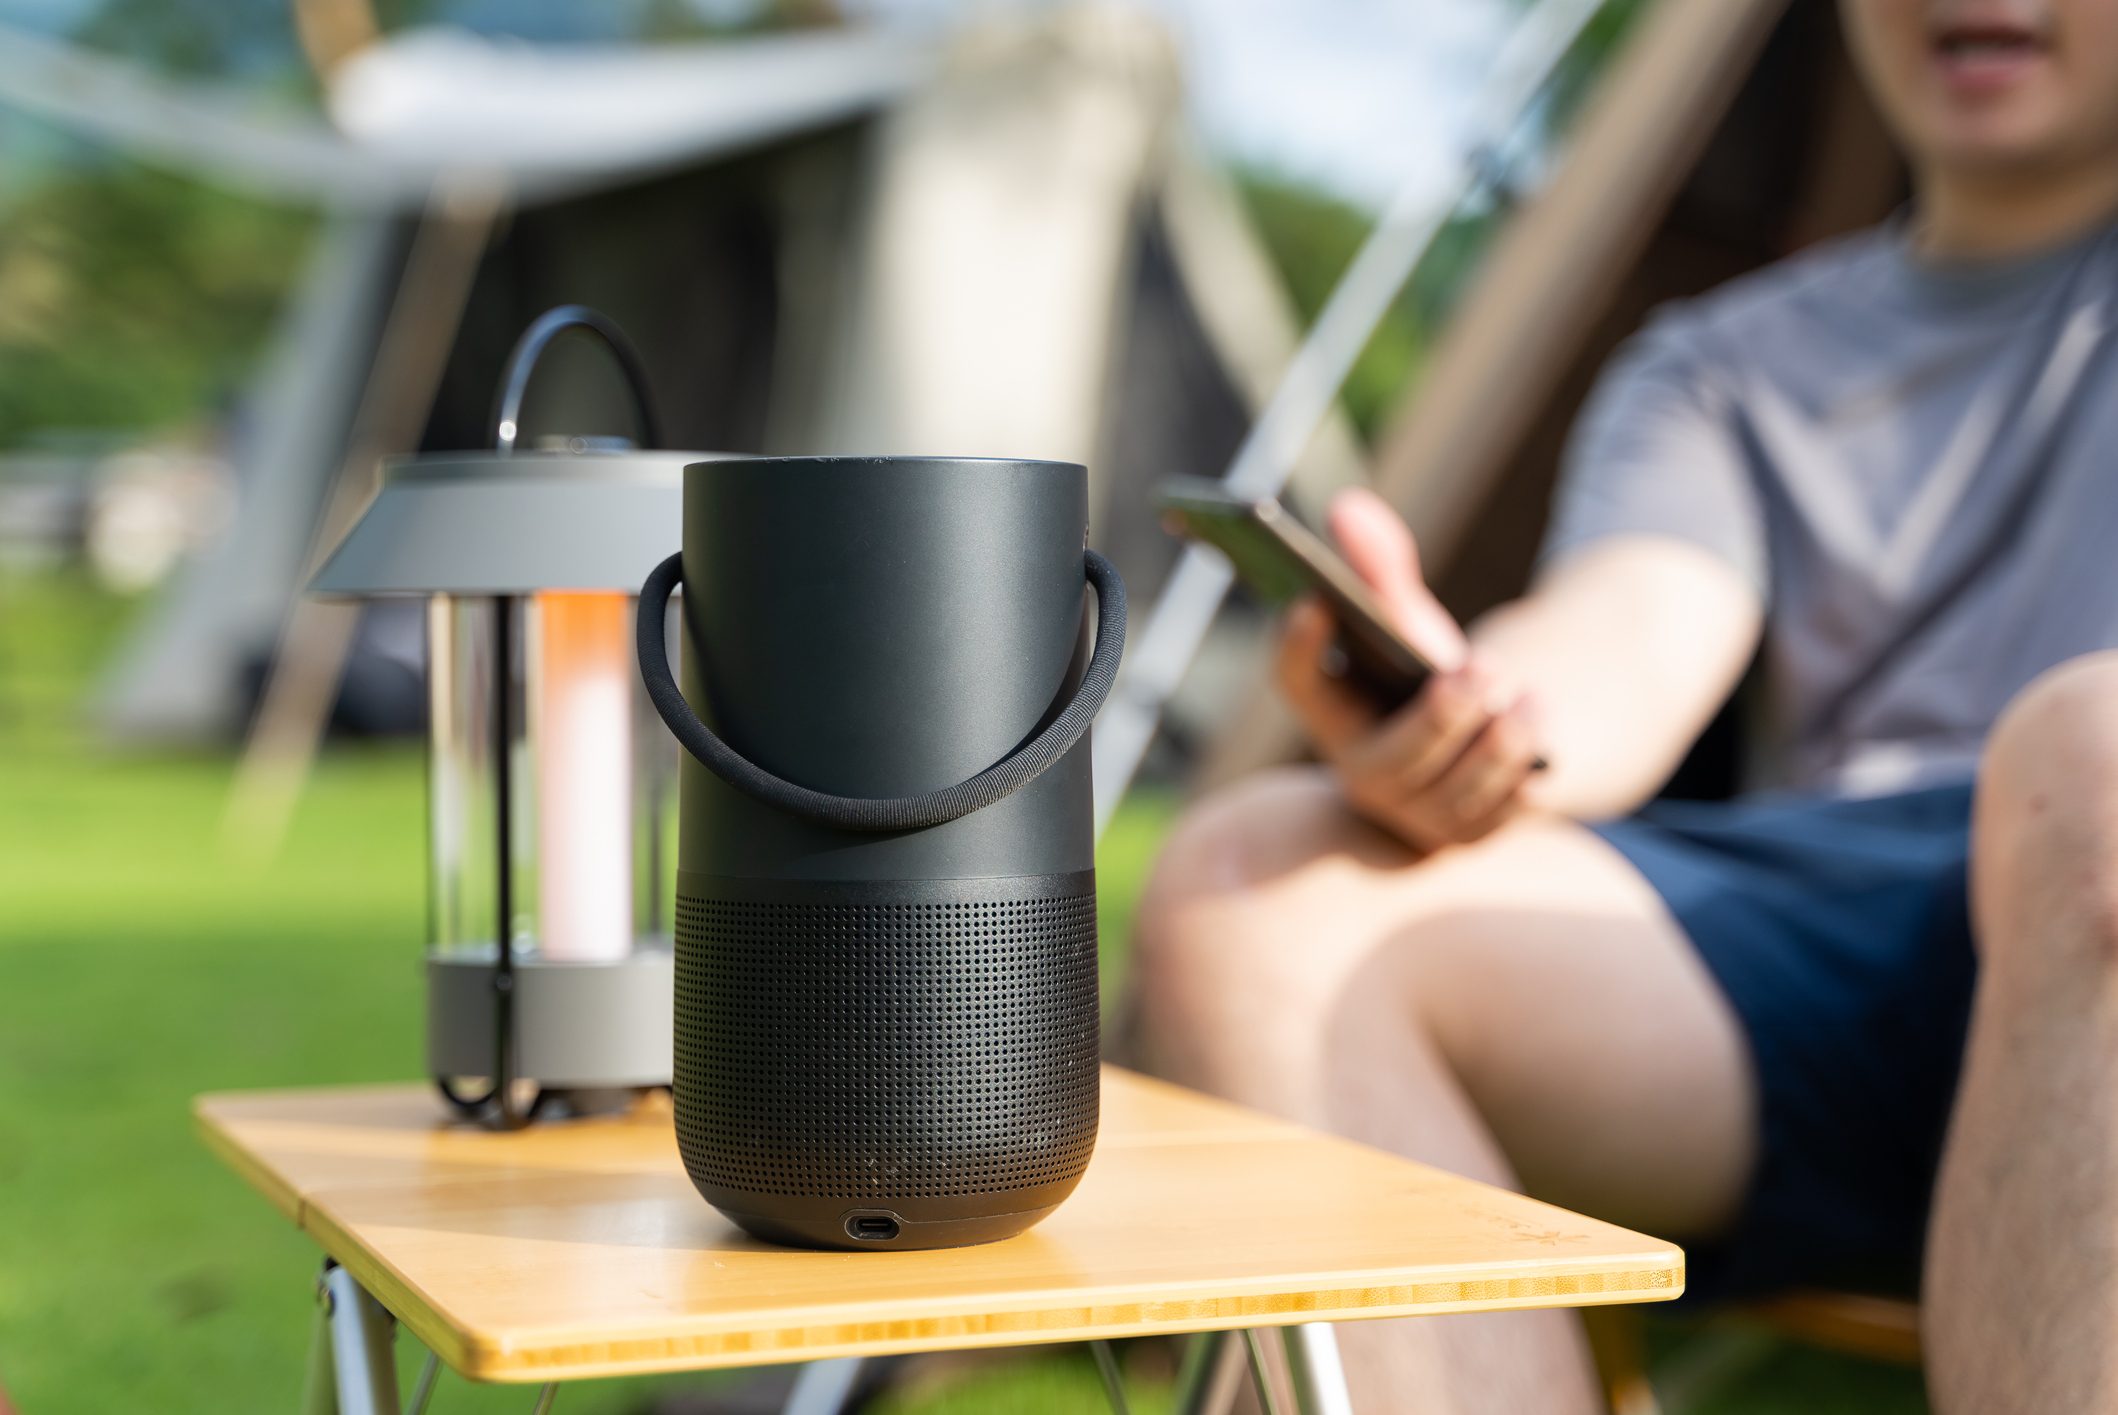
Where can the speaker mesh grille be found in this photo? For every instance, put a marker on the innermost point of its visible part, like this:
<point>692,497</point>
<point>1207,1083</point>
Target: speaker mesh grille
<point>886,1050</point>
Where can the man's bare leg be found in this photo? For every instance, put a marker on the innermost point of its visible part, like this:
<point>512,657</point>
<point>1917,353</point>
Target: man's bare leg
<point>2021,1301</point>
<point>1522,1011</point>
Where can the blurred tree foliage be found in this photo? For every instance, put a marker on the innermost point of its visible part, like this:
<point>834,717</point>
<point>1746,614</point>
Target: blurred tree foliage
<point>223,39</point>
<point>131,300</point>
<point>1312,236</point>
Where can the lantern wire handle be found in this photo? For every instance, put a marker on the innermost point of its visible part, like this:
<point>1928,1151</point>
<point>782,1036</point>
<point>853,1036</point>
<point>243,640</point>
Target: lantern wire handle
<point>522,362</point>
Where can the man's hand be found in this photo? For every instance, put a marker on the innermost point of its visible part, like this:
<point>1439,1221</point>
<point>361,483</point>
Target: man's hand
<point>1448,767</point>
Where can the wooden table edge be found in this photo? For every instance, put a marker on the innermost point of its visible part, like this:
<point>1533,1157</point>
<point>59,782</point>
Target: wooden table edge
<point>399,1295</point>
<point>463,1352</point>
<point>731,1343</point>
<point>507,1363</point>
<point>276,1191</point>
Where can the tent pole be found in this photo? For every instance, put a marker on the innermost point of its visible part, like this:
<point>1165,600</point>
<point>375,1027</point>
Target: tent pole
<point>1185,609</point>
<point>316,637</point>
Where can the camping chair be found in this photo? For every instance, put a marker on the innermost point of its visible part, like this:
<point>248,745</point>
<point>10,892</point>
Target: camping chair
<point>1849,1323</point>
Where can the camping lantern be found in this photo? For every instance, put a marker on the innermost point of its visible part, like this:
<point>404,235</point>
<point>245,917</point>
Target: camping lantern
<point>550,802</point>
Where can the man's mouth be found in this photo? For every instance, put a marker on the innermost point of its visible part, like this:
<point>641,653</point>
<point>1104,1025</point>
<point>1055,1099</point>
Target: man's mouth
<point>1988,54</point>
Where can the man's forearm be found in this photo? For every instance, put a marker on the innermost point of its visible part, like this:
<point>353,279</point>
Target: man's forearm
<point>1627,648</point>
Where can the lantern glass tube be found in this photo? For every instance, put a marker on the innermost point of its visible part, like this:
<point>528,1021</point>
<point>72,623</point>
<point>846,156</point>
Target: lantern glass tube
<point>587,792</point>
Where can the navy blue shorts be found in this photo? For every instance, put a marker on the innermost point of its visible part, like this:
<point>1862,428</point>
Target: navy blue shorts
<point>1839,931</point>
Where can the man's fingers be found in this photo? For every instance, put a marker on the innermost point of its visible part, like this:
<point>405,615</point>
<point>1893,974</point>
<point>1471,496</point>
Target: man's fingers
<point>1419,742</point>
<point>1484,782</point>
<point>1332,711</point>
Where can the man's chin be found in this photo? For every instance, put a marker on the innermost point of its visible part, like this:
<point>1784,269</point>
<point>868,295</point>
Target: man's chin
<point>2001,152</point>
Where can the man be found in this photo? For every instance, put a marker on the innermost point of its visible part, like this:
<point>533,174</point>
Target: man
<point>1890,468</point>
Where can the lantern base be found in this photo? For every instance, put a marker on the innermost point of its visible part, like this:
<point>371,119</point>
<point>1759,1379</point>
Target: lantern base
<point>578,1027</point>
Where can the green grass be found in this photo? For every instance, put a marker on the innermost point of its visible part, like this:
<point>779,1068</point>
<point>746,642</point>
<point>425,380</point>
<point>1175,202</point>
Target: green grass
<point>141,964</point>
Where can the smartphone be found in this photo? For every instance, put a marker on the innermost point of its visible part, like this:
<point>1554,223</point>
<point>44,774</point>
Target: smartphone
<point>1281,559</point>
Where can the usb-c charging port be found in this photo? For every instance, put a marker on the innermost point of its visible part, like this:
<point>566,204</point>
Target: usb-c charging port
<point>872,1228</point>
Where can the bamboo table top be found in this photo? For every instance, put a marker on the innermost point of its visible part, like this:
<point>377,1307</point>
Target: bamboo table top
<point>579,1248</point>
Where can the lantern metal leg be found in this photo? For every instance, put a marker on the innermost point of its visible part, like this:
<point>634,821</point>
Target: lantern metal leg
<point>351,1371</point>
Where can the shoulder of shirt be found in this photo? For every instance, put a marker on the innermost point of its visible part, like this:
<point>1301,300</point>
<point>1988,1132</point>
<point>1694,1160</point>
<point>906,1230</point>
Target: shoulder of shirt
<point>1826,276</point>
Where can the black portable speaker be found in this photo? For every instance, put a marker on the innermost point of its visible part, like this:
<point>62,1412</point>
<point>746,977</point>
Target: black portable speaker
<point>886,1016</point>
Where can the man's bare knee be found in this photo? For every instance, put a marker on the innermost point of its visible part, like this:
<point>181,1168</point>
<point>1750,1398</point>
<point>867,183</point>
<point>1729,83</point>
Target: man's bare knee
<point>2045,833</point>
<point>2066,718</point>
<point>1270,899</point>
<point>1220,900</point>
<point>1246,848</point>
<point>1245,835</point>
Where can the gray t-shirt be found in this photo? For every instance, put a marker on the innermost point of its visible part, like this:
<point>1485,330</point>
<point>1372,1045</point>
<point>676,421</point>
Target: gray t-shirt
<point>1916,465</point>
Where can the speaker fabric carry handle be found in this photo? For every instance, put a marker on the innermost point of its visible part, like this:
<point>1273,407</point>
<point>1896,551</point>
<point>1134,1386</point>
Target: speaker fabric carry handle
<point>873,814</point>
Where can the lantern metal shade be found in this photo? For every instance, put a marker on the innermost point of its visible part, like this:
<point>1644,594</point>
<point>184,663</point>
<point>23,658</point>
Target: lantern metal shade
<point>513,523</point>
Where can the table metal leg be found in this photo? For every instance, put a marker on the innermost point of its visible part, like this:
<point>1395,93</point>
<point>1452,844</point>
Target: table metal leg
<point>1314,1368</point>
<point>429,1373</point>
<point>1113,1381</point>
<point>351,1368</point>
<point>1260,1372</point>
<point>366,1376</point>
<point>1205,1381</point>
<point>320,1383</point>
<point>823,1387</point>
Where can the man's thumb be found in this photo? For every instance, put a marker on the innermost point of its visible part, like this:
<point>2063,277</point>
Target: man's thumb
<point>1379,546</point>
